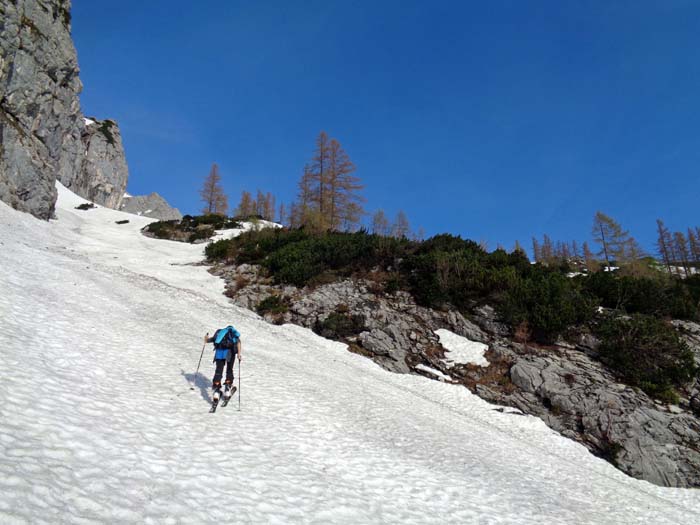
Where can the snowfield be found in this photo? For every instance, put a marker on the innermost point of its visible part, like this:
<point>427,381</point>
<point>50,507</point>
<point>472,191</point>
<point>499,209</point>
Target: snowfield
<point>100,336</point>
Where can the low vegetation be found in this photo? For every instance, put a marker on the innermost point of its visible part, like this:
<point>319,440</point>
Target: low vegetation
<point>190,228</point>
<point>648,353</point>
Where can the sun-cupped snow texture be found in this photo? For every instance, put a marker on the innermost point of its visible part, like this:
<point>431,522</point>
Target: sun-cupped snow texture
<point>100,336</point>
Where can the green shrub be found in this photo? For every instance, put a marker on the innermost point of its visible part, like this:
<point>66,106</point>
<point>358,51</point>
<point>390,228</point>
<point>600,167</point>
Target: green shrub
<point>339,325</point>
<point>549,302</point>
<point>273,304</point>
<point>647,353</point>
<point>162,229</point>
<point>200,233</point>
<point>658,296</point>
<point>190,228</point>
<point>218,250</point>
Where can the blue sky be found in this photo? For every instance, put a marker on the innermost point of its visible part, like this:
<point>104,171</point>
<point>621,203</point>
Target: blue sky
<point>496,120</point>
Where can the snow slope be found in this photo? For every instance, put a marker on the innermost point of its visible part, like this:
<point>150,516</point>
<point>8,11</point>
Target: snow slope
<point>100,336</point>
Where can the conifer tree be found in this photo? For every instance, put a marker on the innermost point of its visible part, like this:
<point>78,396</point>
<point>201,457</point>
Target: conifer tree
<point>681,248</point>
<point>328,191</point>
<point>589,259</point>
<point>694,246</point>
<point>664,244</point>
<point>536,250</point>
<point>282,214</point>
<point>260,203</point>
<point>401,228</point>
<point>613,240</point>
<point>319,173</point>
<point>344,201</point>
<point>212,194</point>
<point>547,251</point>
<point>246,206</point>
<point>380,224</point>
<point>519,248</point>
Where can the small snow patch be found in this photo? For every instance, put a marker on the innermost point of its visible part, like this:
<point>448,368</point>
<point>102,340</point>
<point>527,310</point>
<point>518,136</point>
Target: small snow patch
<point>432,371</point>
<point>461,350</point>
<point>88,121</point>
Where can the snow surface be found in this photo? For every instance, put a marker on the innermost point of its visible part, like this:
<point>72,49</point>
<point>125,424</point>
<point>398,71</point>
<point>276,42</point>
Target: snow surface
<point>461,350</point>
<point>100,336</point>
<point>88,121</point>
<point>434,372</point>
<point>220,235</point>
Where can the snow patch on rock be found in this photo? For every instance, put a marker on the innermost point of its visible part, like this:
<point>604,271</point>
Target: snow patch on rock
<point>461,350</point>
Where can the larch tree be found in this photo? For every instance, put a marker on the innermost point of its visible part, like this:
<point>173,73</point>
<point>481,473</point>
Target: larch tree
<point>536,250</point>
<point>664,244</point>
<point>269,207</point>
<point>329,195</point>
<point>282,214</point>
<point>380,224</point>
<point>694,246</point>
<point>589,258</point>
<point>613,240</point>
<point>260,204</point>
<point>213,196</point>
<point>681,248</point>
<point>319,173</point>
<point>401,228</point>
<point>302,209</point>
<point>246,207</point>
<point>344,205</point>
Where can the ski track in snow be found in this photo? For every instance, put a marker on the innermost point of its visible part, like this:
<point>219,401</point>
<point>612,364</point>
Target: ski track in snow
<point>100,336</point>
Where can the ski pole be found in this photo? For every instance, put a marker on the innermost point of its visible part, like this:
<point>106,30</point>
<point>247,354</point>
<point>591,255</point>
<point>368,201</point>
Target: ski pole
<point>239,383</point>
<point>200,362</point>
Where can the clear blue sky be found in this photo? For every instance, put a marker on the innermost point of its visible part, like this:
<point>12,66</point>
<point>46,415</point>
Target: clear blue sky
<point>496,120</point>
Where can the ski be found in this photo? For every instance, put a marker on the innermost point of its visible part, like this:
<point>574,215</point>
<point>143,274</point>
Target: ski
<point>227,399</point>
<point>213,405</point>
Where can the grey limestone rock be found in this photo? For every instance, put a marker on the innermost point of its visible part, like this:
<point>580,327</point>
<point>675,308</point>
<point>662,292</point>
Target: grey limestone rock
<point>152,205</point>
<point>43,136</point>
<point>40,120</point>
<point>103,172</point>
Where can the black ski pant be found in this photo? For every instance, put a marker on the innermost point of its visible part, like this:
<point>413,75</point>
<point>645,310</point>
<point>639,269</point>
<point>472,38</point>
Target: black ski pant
<point>219,372</point>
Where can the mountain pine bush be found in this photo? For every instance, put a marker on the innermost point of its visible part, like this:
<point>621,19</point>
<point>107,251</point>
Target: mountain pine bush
<point>648,353</point>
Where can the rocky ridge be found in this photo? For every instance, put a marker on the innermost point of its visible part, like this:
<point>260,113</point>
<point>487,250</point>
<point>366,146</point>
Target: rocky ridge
<point>564,384</point>
<point>152,205</point>
<point>43,135</point>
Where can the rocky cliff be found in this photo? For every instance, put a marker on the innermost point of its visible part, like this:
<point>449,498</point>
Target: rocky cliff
<point>43,136</point>
<point>102,175</point>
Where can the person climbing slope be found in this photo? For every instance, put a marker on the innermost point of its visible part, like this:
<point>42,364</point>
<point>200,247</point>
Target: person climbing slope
<point>227,344</point>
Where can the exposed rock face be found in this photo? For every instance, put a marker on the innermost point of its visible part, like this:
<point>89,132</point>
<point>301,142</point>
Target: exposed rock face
<point>103,173</point>
<point>576,396</point>
<point>564,385</point>
<point>152,205</point>
<point>43,137</point>
<point>395,332</point>
<point>40,120</point>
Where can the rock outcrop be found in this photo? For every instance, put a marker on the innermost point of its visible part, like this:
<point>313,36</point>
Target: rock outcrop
<point>564,384</point>
<point>152,205</point>
<point>40,119</point>
<point>103,173</point>
<point>391,329</point>
<point>43,136</point>
<point>576,396</point>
